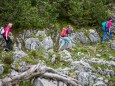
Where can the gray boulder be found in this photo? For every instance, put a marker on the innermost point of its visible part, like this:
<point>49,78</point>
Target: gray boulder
<point>86,78</point>
<point>81,66</point>
<point>37,82</point>
<point>83,39</point>
<point>19,54</point>
<point>14,73</point>
<point>93,36</point>
<point>32,44</point>
<point>44,82</point>
<point>1,68</point>
<point>100,61</point>
<point>53,58</point>
<point>20,66</point>
<point>113,46</point>
<point>41,33</point>
<point>17,47</point>
<point>65,56</point>
<point>47,43</point>
<point>112,58</point>
<point>28,33</point>
<point>99,83</point>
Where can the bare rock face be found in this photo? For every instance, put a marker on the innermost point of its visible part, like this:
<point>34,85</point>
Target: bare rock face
<point>81,66</point>
<point>65,56</point>
<point>94,37</point>
<point>83,38</point>
<point>99,83</point>
<point>32,44</point>
<point>47,43</point>
<point>113,46</point>
<point>86,78</point>
<point>41,33</point>
<point>19,54</point>
<point>37,82</point>
<point>1,68</point>
<point>44,82</point>
<point>41,40</point>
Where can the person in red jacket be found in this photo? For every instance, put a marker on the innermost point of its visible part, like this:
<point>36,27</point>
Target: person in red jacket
<point>65,38</point>
<point>6,36</point>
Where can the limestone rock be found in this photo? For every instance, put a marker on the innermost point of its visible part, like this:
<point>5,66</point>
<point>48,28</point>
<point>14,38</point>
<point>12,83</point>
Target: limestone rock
<point>113,46</point>
<point>37,82</point>
<point>44,82</point>
<point>99,83</point>
<point>20,66</point>
<point>32,44</point>
<point>81,66</point>
<point>47,43</point>
<point>53,58</point>
<point>93,36</point>
<point>112,58</point>
<point>83,39</point>
<point>100,61</point>
<point>18,54</point>
<point>28,33</point>
<point>14,73</point>
<point>1,68</point>
<point>65,56</point>
<point>17,47</point>
<point>41,33</point>
<point>86,78</point>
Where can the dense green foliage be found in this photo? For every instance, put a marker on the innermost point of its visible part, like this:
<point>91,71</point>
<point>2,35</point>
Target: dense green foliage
<point>40,13</point>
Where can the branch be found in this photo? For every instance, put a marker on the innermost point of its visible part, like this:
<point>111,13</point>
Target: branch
<point>41,71</point>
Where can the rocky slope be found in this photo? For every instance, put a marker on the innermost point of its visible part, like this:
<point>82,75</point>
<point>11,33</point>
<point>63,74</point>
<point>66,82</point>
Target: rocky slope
<point>90,62</point>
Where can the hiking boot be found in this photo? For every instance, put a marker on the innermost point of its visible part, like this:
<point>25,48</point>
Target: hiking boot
<point>6,49</point>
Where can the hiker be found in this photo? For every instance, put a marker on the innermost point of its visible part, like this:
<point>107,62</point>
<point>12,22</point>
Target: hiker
<point>107,29</point>
<point>7,37</point>
<point>64,36</point>
<point>69,30</point>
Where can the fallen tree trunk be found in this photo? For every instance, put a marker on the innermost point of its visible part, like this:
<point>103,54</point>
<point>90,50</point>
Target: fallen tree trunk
<point>39,71</point>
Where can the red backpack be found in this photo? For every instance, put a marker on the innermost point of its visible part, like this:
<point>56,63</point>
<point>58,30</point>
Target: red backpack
<point>64,32</point>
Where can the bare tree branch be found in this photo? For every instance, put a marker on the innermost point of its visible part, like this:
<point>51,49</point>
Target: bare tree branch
<point>40,71</point>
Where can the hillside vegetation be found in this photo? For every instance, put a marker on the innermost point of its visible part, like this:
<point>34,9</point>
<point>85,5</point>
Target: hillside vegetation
<point>41,13</point>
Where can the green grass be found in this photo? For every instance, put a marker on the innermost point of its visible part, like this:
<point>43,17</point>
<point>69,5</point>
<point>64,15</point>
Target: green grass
<point>6,59</point>
<point>111,81</point>
<point>41,38</point>
<point>102,66</point>
<point>58,63</point>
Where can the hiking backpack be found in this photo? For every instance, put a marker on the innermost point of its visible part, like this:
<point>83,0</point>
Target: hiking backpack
<point>2,31</point>
<point>64,32</point>
<point>104,25</point>
<point>69,31</point>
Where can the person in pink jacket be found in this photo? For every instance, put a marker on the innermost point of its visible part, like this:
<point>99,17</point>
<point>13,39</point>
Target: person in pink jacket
<point>108,30</point>
<point>7,37</point>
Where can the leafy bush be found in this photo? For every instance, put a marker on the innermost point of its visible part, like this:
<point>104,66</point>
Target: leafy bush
<point>41,13</point>
<point>7,58</point>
